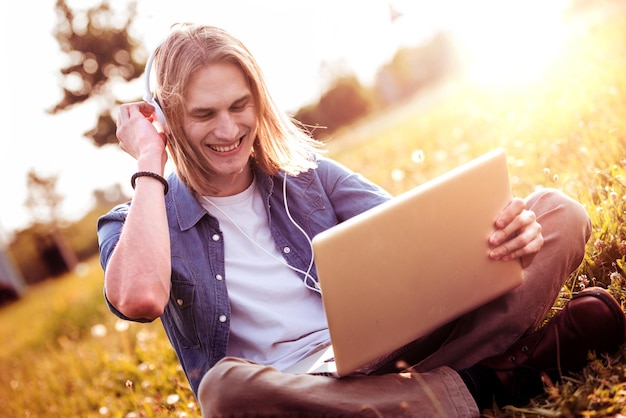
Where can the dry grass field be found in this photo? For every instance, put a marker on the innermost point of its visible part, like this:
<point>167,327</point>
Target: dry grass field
<point>64,355</point>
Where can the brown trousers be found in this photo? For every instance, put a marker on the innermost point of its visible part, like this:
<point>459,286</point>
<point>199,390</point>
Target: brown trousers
<point>238,388</point>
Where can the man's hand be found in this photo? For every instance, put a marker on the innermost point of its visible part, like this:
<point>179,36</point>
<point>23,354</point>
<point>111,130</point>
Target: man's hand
<point>517,235</point>
<point>137,134</point>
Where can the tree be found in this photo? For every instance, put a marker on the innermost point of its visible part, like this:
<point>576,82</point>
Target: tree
<point>343,103</point>
<point>412,69</point>
<point>100,52</point>
<point>43,202</point>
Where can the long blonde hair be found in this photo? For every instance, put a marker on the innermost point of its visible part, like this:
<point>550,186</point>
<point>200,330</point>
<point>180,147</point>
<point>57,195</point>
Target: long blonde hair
<point>281,143</point>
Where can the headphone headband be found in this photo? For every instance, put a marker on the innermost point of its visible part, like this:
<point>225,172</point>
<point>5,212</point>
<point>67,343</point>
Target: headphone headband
<point>150,98</point>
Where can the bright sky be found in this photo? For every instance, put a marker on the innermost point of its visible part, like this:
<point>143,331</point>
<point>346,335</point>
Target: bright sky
<point>290,39</point>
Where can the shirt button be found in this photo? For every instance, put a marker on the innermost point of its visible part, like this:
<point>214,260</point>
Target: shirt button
<point>286,250</point>
<point>215,237</point>
<point>222,318</point>
<point>180,302</point>
<point>219,277</point>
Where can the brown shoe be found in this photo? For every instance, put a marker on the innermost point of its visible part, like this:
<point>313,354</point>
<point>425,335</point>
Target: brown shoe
<point>591,321</point>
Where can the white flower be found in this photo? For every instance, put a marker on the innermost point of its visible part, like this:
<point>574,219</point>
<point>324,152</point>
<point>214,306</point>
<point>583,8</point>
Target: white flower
<point>98,331</point>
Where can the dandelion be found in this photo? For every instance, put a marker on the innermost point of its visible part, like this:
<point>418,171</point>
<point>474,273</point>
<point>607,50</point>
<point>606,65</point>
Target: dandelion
<point>145,367</point>
<point>397,175</point>
<point>82,269</point>
<point>121,325</point>
<point>441,155</point>
<point>98,331</point>
<point>418,156</point>
<point>616,277</point>
<point>145,336</point>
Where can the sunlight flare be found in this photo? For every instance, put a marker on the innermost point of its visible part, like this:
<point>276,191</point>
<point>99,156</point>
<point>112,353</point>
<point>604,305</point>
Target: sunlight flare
<point>510,42</point>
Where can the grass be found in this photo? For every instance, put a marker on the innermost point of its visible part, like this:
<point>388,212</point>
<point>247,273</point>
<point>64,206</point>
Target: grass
<point>64,355</point>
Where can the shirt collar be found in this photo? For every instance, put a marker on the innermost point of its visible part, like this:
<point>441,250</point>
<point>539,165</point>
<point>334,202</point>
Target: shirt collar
<point>189,211</point>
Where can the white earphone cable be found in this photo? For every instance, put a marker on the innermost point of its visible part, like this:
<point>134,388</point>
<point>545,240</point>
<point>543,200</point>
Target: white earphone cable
<point>307,274</point>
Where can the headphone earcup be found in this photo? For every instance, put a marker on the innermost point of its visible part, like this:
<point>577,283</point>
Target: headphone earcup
<point>150,98</point>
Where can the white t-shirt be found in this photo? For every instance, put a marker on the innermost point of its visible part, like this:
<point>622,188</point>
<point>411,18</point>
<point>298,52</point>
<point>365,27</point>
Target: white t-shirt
<point>275,319</point>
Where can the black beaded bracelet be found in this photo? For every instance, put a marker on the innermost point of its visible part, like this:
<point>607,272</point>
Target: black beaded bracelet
<point>166,187</point>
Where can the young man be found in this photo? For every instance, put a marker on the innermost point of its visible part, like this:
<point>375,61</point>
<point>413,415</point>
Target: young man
<point>221,253</point>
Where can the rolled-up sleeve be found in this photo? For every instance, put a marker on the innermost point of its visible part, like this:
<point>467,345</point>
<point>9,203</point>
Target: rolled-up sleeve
<point>109,228</point>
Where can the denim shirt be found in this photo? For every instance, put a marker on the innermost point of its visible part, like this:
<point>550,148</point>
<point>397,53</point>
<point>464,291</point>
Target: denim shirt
<point>197,316</point>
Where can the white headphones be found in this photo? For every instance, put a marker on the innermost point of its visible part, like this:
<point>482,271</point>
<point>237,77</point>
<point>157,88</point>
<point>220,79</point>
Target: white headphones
<point>150,98</point>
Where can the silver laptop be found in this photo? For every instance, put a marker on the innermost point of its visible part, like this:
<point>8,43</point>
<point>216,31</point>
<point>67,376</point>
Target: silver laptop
<point>398,271</point>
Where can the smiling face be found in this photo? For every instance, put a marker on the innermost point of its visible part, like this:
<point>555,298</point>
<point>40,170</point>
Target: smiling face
<point>219,122</point>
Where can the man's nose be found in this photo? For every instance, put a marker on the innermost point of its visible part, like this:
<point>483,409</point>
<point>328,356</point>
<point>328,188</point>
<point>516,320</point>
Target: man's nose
<point>225,127</point>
